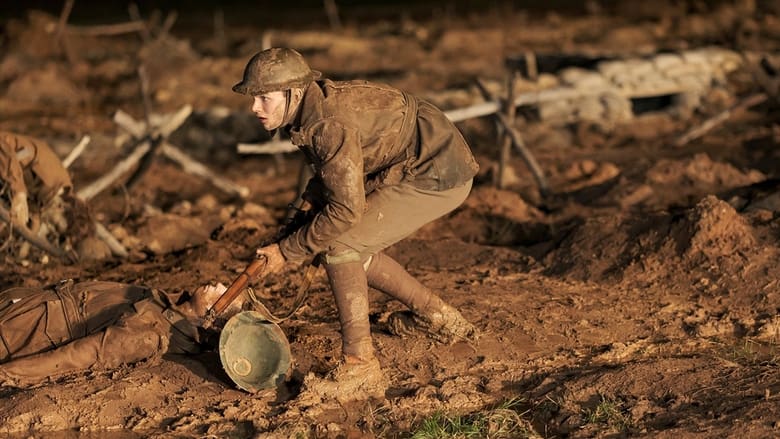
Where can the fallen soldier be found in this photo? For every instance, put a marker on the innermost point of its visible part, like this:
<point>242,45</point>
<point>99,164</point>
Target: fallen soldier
<point>32,174</point>
<point>47,333</point>
<point>39,192</point>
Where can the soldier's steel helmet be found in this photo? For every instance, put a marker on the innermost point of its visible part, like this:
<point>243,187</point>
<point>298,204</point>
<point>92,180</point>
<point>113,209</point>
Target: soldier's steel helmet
<point>275,69</point>
<point>254,352</point>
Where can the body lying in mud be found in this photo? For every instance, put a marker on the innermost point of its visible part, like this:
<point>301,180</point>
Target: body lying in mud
<point>66,328</point>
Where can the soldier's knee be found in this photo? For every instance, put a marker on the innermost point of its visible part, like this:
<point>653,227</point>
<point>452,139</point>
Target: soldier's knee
<point>343,256</point>
<point>346,256</point>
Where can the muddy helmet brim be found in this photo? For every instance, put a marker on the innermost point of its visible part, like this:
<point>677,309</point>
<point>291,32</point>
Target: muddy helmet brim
<point>275,69</point>
<point>254,352</point>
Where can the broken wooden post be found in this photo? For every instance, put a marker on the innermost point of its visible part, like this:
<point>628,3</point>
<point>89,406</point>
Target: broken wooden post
<point>220,38</point>
<point>107,29</point>
<point>516,140</point>
<point>88,192</point>
<point>332,11</point>
<point>509,110</point>
<point>142,146</point>
<point>61,36</point>
<point>531,68</point>
<point>135,15</point>
<point>526,155</point>
<point>155,140</point>
<point>170,19</point>
<point>76,151</point>
<point>723,116</point>
<point>266,40</point>
<point>36,240</point>
<point>188,164</point>
<point>113,244</point>
<point>194,167</point>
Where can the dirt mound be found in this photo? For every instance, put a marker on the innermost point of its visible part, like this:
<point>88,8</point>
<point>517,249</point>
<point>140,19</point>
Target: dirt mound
<point>710,236</point>
<point>634,301</point>
<point>497,217</point>
<point>712,231</point>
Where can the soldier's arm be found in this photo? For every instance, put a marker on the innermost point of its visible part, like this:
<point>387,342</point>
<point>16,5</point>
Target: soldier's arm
<point>134,339</point>
<point>48,168</point>
<point>342,178</point>
<point>12,176</point>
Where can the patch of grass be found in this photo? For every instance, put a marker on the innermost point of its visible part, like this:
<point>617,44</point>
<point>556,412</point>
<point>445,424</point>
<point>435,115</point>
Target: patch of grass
<point>609,412</point>
<point>504,421</point>
<point>376,421</point>
<point>750,352</point>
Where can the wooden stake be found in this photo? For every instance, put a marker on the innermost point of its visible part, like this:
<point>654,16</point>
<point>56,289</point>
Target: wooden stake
<point>506,147</point>
<point>108,29</point>
<point>266,40</point>
<point>155,140</point>
<point>194,167</point>
<point>135,15</point>
<point>141,145</point>
<point>220,39</point>
<point>106,236</point>
<point>187,163</point>
<point>61,36</point>
<point>35,240</point>
<point>332,11</point>
<point>709,124</point>
<point>516,140</point>
<point>526,155</point>
<point>76,151</point>
<point>529,98</point>
<point>532,71</point>
<point>90,191</point>
<point>170,19</point>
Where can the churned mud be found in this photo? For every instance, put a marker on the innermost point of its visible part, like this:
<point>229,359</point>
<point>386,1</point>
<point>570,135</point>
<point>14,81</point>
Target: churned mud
<point>645,282</point>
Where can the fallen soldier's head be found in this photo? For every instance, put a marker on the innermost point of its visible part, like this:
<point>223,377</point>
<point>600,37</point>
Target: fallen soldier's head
<point>204,297</point>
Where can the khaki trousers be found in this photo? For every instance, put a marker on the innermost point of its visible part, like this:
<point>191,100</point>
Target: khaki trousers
<point>393,213</point>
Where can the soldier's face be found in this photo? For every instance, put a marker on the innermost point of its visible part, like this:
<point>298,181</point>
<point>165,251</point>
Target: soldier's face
<point>269,109</point>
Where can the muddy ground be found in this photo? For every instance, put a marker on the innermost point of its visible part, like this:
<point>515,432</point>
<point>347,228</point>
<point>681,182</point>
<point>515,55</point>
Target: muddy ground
<point>639,298</point>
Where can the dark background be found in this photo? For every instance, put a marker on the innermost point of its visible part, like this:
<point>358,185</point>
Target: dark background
<point>268,12</point>
<point>311,12</point>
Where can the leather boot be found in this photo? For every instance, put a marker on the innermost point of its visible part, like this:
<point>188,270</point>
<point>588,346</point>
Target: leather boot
<point>359,375</point>
<point>428,312</point>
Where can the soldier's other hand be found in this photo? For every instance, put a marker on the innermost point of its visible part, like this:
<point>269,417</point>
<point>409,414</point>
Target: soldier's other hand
<point>274,258</point>
<point>20,213</point>
<point>220,287</point>
<point>217,289</point>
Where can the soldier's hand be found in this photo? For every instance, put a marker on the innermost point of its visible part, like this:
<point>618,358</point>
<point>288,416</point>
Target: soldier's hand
<point>20,213</point>
<point>217,289</point>
<point>274,258</point>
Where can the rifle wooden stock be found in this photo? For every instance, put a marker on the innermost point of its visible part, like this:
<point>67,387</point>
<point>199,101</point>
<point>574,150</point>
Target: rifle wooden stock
<point>238,286</point>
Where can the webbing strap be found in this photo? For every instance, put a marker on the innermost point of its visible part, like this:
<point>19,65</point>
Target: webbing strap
<point>303,290</point>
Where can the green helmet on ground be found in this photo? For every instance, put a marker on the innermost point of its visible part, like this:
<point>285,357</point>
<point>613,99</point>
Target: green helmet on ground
<point>275,69</point>
<point>254,352</point>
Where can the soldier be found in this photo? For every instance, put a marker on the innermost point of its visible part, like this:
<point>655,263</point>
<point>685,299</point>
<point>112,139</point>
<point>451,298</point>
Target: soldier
<point>27,161</point>
<point>385,163</point>
<point>50,332</point>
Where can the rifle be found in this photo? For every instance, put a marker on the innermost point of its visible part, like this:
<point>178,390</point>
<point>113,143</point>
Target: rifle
<point>251,272</point>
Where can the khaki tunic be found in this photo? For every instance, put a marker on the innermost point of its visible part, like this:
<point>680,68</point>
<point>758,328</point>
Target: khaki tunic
<point>360,136</point>
<point>46,174</point>
<point>68,328</point>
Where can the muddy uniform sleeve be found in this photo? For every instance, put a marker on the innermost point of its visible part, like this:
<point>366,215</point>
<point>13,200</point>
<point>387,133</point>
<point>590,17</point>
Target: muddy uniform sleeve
<point>135,338</point>
<point>48,167</point>
<point>10,169</point>
<point>340,169</point>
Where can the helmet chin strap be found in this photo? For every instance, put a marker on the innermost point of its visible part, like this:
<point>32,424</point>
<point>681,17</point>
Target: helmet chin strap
<point>287,96</point>
<point>293,99</point>
<point>285,116</point>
